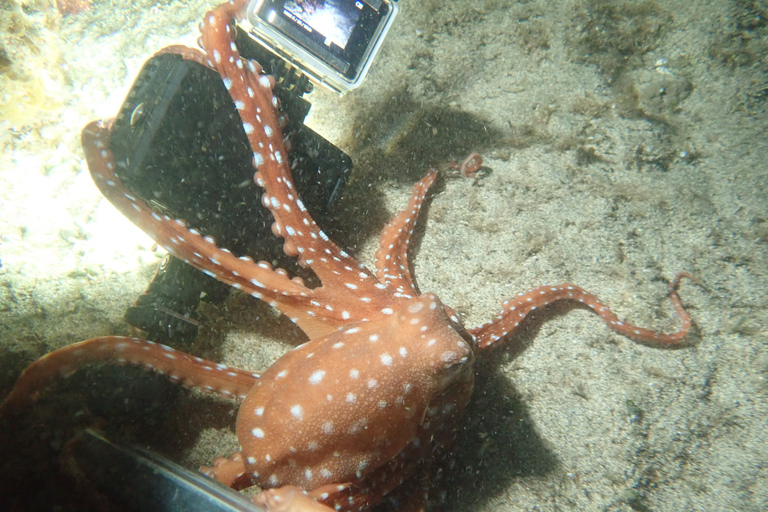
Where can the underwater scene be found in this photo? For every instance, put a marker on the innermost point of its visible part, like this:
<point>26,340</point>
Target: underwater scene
<point>523,266</point>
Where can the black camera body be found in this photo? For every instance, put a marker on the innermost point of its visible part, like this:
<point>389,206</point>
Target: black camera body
<point>179,145</point>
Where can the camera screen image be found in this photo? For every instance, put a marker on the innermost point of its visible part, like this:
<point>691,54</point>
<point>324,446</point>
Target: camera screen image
<point>333,40</point>
<point>334,19</point>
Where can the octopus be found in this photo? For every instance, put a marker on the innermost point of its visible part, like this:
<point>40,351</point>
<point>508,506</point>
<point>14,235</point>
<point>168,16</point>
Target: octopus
<point>368,407</point>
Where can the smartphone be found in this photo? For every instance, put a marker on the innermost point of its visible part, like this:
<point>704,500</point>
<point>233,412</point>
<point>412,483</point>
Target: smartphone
<point>179,145</point>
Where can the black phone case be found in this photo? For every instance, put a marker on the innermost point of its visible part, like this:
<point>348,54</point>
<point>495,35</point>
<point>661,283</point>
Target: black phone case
<point>179,145</point>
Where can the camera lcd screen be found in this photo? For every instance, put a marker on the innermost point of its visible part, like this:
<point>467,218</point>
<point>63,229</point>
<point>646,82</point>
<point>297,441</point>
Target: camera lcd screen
<point>341,34</point>
<point>334,20</point>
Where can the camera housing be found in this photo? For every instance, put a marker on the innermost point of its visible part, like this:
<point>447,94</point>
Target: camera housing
<point>333,42</point>
<point>179,145</point>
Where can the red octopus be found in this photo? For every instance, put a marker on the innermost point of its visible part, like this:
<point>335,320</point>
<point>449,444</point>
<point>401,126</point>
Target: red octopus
<point>358,412</point>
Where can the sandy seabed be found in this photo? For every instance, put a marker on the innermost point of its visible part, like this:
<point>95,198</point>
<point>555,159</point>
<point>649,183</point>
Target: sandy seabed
<point>623,142</point>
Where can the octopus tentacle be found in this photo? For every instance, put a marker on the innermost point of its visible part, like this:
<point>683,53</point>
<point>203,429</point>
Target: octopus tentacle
<point>229,471</point>
<point>515,310</point>
<point>392,257</point>
<point>316,312</point>
<point>174,235</point>
<point>289,499</point>
<point>252,94</point>
<point>189,371</point>
<point>260,280</point>
<point>188,53</point>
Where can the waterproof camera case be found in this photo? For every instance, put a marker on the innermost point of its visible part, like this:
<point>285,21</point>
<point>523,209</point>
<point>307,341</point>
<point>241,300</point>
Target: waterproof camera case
<point>179,144</point>
<point>331,41</point>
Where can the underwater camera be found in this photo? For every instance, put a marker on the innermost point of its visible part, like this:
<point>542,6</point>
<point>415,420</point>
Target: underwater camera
<point>179,143</point>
